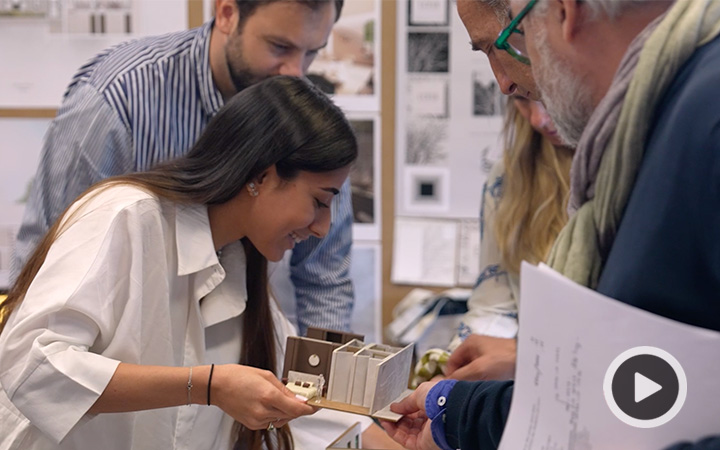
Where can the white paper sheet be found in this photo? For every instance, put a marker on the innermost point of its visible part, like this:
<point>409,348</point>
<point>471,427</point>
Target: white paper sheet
<point>424,252</point>
<point>428,12</point>
<point>427,97</point>
<point>569,336</point>
<point>468,252</point>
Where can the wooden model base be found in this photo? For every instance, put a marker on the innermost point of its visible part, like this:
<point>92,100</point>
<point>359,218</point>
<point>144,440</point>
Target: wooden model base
<point>384,414</point>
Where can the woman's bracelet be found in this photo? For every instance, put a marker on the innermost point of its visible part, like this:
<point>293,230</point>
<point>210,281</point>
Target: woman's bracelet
<point>189,387</point>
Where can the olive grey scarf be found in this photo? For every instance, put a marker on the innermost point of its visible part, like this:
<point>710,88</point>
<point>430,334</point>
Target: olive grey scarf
<point>611,148</point>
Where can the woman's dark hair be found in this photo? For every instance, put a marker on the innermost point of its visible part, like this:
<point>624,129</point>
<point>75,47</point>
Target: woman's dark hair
<point>283,121</point>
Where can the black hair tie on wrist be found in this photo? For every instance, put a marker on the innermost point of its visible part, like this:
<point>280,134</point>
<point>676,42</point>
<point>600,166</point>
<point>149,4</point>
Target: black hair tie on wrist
<point>212,366</point>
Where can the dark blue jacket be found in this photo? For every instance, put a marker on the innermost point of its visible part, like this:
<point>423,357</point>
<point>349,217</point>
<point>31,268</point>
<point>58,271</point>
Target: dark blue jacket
<point>666,255</point>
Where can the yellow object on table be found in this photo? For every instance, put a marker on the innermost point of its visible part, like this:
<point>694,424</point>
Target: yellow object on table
<point>2,299</point>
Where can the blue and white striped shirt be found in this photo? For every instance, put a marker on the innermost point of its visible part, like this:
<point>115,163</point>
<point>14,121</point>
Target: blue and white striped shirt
<point>148,100</point>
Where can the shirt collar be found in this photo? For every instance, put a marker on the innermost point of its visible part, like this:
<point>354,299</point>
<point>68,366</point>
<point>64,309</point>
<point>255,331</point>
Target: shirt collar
<point>229,298</point>
<point>210,96</point>
<point>193,240</point>
<point>224,291</point>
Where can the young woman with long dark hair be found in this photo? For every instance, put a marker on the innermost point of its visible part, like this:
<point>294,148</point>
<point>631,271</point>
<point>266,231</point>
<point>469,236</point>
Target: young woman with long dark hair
<point>150,293</point>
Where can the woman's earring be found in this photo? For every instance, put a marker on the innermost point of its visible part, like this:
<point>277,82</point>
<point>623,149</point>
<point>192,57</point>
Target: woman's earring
<point>252,189</point>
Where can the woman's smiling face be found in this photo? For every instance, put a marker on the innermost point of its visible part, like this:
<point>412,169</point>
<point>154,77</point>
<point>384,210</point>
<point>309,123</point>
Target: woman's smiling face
<point>287,212</point>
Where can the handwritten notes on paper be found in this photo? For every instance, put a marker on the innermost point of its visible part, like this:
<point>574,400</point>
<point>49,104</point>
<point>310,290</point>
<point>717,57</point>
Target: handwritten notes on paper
<point>569,337</point>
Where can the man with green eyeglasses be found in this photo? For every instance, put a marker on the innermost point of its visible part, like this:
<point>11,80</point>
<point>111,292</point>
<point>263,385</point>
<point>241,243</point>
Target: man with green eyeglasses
<point>488,24</point>
<point>635,84</point>
<point>484,20</point>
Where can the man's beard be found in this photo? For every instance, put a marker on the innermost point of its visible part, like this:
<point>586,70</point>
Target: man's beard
<point>241,76</point>
<point>240,73</point>
<point>566,98</point>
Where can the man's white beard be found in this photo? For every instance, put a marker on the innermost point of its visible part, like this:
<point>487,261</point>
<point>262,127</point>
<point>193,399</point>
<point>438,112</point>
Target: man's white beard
<point>567,100</point>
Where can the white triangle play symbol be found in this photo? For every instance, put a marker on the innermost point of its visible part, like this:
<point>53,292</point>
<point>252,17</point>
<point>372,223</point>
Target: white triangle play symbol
<point>644,387</point>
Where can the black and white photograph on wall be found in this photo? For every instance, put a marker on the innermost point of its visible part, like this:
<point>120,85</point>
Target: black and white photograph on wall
<point>362,175</point>
<point>428,12</point>
<point>488,100</point>
<point>346,66</point>
<point>428,52</point>
<point>426,189</point>
<point>428,96</point>
<point>365,176</point>
<point>426,142</point>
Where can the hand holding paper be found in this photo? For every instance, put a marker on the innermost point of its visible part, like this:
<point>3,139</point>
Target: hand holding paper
<point>563,359</point>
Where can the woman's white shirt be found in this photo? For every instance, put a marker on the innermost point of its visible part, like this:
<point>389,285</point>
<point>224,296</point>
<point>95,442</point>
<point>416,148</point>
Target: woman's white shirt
<point>131,279</point>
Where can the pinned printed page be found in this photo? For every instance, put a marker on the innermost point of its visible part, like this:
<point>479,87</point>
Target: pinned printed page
<point>596,373</point>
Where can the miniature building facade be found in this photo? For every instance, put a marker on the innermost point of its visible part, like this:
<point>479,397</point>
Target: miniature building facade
<point>313,354</point>
<point>362,378</point>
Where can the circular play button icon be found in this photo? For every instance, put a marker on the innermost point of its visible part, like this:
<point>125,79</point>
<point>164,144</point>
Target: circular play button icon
<point>645,387</point>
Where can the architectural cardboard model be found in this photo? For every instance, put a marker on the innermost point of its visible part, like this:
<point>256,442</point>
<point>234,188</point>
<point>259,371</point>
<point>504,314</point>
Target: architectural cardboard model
<point>313,354</point>
<point>353,376</point>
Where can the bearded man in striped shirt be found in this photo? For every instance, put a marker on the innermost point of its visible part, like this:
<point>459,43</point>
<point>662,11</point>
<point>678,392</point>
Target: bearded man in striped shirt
<point>148,100</point>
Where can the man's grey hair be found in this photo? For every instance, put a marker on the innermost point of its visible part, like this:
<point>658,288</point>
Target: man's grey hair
<point>601,8</point>
<point>501,8</point>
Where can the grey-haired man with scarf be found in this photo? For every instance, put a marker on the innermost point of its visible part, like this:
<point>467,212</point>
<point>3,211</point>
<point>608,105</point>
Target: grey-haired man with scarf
<point>635,86</point>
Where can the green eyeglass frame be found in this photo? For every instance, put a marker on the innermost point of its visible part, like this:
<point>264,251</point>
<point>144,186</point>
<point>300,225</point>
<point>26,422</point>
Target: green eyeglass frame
<point>502,41</point>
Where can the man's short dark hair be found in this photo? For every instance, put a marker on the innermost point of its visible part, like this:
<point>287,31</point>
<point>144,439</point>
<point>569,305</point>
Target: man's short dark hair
<point>248,7</point>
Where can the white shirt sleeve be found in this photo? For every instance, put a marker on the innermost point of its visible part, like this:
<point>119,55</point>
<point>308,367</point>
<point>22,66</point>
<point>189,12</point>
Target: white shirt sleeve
<point>51,363</point>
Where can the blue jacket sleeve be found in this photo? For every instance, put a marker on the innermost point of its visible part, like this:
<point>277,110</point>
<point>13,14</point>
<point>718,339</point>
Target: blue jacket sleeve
<point>85,143</point>
<point>709,443</point>
<point>320,272</point>
<point>476,414</point>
